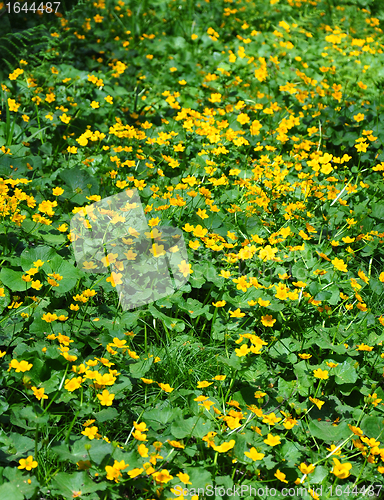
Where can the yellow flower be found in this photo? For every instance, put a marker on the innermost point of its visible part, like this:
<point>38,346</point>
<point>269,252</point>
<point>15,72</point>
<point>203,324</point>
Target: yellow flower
<point>176,444</point>
<point>135,472</point>
<point>39,393</point>
<point>73,383</point>
<point>272,440</point>
<point>271,419</point>
<point>224,447</point>
<point>202,214</point>
<point>331,364</point>
<point>12,105</point>
<point>219,303</point>
<point>106,398</point>
<point>263,303</point>
<point>65,118</point>
<point>334,447</point>
<point>322,374</point>
<point>361,147</point>
<point>242,351</point>
<point>236,314</point>
<point>305,355</point>
<point>95,104</point>
<point>339,264</point>
<point>306,469</point>
<point>259,394</point>
<point>20,366</point>
<point>36,285</point>
<point>318,403</point>
<point>27,463</point>
<point>162,476</point>
<point>268,320</point>
<point>165,387</point>
<point>254,455</point>
<point>194,245</point>
<point>198,231</point>
<point>341,470</point>
<point>90,432</point>
<point>185,268</point>
<point>112,473</point>
<point>147,380</point>
<point>364,347</point>
<point>115,279</point>
<point>359,117</point>
<point>243,118</point>
<point>184,478</point>
<point>57,191</point>
<point>204,383</point>
<point>281,476</point>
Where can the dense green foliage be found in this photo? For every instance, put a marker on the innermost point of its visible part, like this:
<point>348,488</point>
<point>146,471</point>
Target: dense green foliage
<point>256,128</point>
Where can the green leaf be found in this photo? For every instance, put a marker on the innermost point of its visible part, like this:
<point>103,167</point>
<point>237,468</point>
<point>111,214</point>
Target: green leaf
<point>376,286</point>
<point>139,369</point>
<point>79,179</point>
<point>372,426</point>
<point>202,428</point>
<point>10,491</point>
<point>31,255</point>
<point>164,416</point>
<point>335,297</point>
<point>68,484</point>
<point>304,377</point>
<point>5,301</point>
<point>318,475</point>
<point>17,478</point>
<point>106,414</point>
<point>12,279</point>
<point>234,361</point>
<point>345,373</point>
<point>33,415</point>
<point>327,432</point>
<point>172,323</point>
<point>378,210</point>
<point>99,449</point>
<point>199,477</point>
<point>19,445</point>
<point>182,428</point>
<point>292,453</point>
<point>283,349</point>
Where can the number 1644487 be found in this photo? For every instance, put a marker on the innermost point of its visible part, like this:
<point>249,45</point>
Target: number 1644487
<point>17,7</point>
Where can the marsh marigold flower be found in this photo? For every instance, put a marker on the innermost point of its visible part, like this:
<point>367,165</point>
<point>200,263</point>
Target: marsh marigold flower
<point>319,373</point>
<point>341,470</point>
<point>224,447</point>
<point>272,440</point>
<point>27,463</point>
<point>281,476</point>
<point>268,320</point>
<point>254,454</point>
<point>106,398</point>
<point>339,264</point>
<point>20,366</point>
